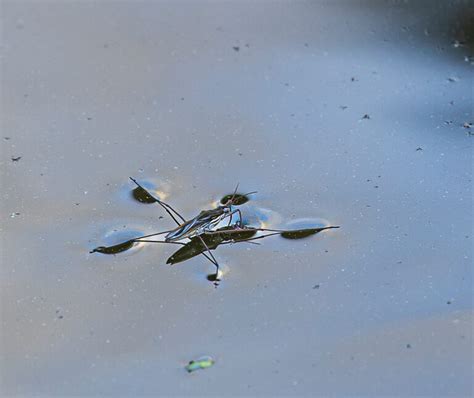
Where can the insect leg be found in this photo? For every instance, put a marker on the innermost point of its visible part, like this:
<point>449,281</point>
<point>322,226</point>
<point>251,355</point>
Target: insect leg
<point>165,206</point>
<point>240,217</point>
<point>214,261</point>
<point>230,217</point>
<point>157,241</point>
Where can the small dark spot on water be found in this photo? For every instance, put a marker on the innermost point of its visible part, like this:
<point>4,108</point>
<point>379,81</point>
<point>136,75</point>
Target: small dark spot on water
<point>15,159</point>
<point>6,138</point>
<point>182,98</point>
<point>467,125</point>
<point>343,107</point>
<point>89,118</point>
<point>366,116</point>
<point>236,48</point>
<point>448,302</point>
<point>160,217</point>
<point>376,186</point>
<point>408,346</point>
<point>316,286</point>
<point>60,316</point>
<point>354,79</point>
<point>419,148</point>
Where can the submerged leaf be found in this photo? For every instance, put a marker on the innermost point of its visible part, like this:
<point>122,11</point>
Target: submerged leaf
<point>121,247</point>
<point>238,199</point>
<point>303,233</point>
<point>201,363</point>
<point>141,195</point>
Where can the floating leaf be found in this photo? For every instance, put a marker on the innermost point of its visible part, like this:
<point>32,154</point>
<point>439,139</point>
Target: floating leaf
<point>121,247</point>
<point>201,363</point>
<point>303,233</point>
<point>142,195</point>
<point>238,199</point>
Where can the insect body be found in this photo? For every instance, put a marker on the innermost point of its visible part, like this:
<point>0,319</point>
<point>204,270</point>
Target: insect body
<point>204,221</point>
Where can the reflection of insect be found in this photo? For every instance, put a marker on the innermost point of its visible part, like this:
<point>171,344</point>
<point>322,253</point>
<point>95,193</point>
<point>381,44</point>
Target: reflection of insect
<point>202,233</point>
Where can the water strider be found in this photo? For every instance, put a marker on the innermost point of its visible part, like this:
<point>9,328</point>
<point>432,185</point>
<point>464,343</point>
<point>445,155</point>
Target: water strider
<point>201,231</point>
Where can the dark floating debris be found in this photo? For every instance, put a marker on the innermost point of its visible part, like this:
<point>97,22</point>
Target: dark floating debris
<point>366,116</point>
<point>141,195</point>
<point>121,247</point>
<point>15,158</point>
<point>236,48</point>
<point>200,363</point>
<point>303,233</point>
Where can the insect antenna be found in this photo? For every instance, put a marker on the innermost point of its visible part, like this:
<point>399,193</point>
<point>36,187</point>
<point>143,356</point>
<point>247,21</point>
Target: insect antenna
<point>231,200</point>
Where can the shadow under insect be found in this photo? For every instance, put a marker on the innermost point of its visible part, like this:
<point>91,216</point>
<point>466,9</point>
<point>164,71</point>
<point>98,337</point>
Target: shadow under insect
<point>203,233</point>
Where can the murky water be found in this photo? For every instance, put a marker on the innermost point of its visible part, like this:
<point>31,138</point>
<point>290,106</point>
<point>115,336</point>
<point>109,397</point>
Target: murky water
<point>337,113</point>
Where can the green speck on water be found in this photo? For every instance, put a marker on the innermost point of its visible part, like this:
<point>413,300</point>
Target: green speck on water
<point>201,363</point>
